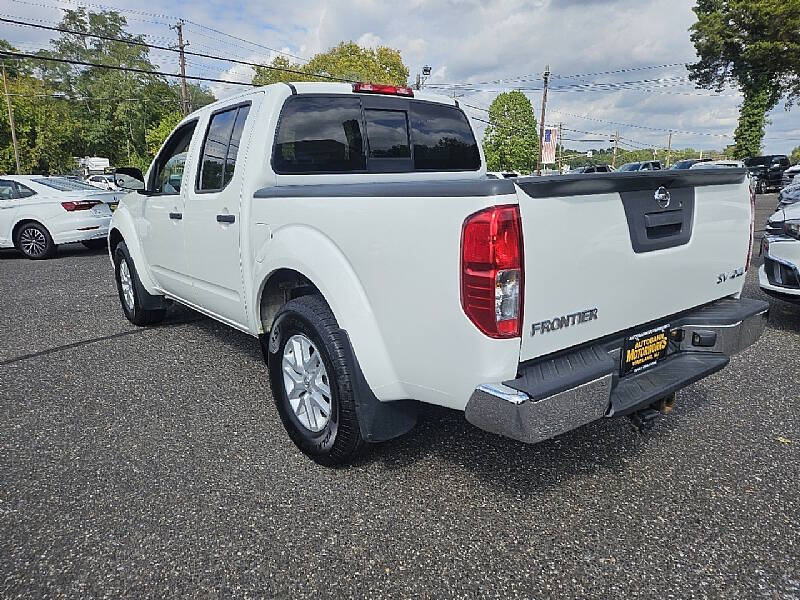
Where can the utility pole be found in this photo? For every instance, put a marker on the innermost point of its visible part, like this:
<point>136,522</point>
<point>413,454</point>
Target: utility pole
<point>616,145</point>
<point>418,85</point>
<point>669,148</point>
<point>541,125</point>
<point>181,45</point>
<point>560,149</point>
<point>11,119</point>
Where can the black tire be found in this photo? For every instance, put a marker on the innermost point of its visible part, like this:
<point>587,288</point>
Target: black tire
<point>339,442</point>
<point>34,241</point>
<point>97,244</point>
<point>134,310</point>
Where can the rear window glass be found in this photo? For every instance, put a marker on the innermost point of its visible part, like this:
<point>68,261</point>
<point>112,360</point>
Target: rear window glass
<point>332,134</point>
<point>442,138</point>
<point>320,135</point>
<point>387,132</point>
<point>756,161</point>
<point>62,184</point>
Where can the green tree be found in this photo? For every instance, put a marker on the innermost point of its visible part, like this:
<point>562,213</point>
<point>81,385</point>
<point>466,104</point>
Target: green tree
<point>795,156</point>
<point>156,135</point>
<point>348,61</point>
<point>511,142</point>
<point>116,109</point>
<point>754,44</point>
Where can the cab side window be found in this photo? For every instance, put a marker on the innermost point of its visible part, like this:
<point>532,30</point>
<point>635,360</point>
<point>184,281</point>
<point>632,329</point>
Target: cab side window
<point>220,148</point>
<point>168,173</point>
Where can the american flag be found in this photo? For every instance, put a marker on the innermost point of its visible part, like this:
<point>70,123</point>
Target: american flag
<point>549,146</point>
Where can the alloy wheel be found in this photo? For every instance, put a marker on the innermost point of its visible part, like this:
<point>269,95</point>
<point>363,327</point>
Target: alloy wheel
<point>32,241</point>
<point>306,382</point>
<point>126,283</point>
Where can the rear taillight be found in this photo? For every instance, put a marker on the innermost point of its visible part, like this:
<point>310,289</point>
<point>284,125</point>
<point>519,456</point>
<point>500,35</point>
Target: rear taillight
<point>377,88</point>
<point>492,271</point>
<point>80,205</point>
<point>752,227</point>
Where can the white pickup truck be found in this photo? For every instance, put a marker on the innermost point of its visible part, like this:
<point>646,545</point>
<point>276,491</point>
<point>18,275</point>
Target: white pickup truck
<point>353,229</point>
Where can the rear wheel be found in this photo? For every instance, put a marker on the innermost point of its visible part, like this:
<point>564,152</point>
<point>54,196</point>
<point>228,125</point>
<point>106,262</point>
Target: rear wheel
<point>132,294</point>
<point>34,241</point>
<point>312,383</point>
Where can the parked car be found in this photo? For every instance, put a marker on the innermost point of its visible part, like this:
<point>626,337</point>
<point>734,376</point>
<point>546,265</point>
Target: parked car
<point>104,182</point>
<point>688,163</point>
<point>789,195</point>
<point>592,169</point>
<point>767,171</point>
<point>648,165</point>
<point>38,213</point>
<point>353,230</point>
<point>779,276</point>
<point>790,176</point>
<point>719,164</point>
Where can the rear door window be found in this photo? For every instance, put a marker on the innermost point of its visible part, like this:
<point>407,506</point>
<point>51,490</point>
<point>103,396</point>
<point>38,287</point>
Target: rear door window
<point>318,134</point>
<point>220,148</point>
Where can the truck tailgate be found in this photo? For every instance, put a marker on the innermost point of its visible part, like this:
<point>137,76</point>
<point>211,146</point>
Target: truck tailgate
<point>607,253</point>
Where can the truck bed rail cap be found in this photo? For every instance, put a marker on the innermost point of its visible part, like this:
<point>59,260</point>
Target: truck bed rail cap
<point>611,183</point>
<point>437,188</point>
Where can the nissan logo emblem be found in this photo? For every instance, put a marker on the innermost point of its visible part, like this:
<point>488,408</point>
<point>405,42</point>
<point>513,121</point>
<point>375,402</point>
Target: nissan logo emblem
<point>662,197</point>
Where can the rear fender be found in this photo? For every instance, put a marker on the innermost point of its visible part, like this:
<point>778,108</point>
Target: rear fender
<point>314,255</point>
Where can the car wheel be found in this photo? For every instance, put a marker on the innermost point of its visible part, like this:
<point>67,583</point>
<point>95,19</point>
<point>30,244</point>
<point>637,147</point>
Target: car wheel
<point>97,244</point>
<point>131,292</point>
<point>312,383</point>
<point>35,242</point>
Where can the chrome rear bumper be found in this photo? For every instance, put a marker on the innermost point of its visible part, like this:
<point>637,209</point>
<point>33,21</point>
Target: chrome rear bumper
<point>586,386</point>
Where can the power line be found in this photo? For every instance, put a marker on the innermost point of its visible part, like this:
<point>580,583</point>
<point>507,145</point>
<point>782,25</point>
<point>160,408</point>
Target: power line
<point>588,118</point>
<point>138,42</point>
<point>166,18</point>
<point>117,68</point>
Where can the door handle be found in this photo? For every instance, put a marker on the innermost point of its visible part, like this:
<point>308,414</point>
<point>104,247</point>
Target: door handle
<point>176,216</point>
<point>226,218</point>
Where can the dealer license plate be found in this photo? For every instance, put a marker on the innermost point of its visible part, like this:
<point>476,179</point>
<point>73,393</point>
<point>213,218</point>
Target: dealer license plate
<point>644,350</point>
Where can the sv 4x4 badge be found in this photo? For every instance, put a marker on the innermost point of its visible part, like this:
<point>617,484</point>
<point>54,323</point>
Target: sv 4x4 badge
<point>735,274</point>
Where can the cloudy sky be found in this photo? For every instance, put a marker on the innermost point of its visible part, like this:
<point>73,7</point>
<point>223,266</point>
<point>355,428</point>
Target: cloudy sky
<point>475,48</point>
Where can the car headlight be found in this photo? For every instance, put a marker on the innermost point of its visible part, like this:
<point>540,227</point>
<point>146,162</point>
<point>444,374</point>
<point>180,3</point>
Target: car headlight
<point>792,229</point>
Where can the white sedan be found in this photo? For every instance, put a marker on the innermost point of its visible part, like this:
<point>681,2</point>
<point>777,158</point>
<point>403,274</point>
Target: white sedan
<point>37,213</point>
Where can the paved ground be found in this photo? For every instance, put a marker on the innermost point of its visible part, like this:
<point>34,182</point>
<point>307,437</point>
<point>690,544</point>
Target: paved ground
<point>152,462</point>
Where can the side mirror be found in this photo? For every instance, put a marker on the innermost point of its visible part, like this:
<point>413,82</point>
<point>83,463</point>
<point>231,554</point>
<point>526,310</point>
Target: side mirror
<point>129,178</point>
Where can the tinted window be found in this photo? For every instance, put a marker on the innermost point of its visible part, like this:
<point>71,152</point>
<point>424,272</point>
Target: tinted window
<point>221,147</point>
<point>24,191</point>
<point>6,189</point>
<point>756,161</point>
<point>319,135</point>
<point>442,138</point>
<point>387,132</point>
<point>168,172</point>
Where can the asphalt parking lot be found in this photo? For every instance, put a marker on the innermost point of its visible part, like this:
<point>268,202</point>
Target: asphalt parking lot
<point>151,462</point>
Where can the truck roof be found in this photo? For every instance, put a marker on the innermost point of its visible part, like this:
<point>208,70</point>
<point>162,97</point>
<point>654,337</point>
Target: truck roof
<point>324,87</point>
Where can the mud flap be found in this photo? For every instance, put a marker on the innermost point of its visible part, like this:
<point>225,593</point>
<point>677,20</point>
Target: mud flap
<point>378,421</point>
